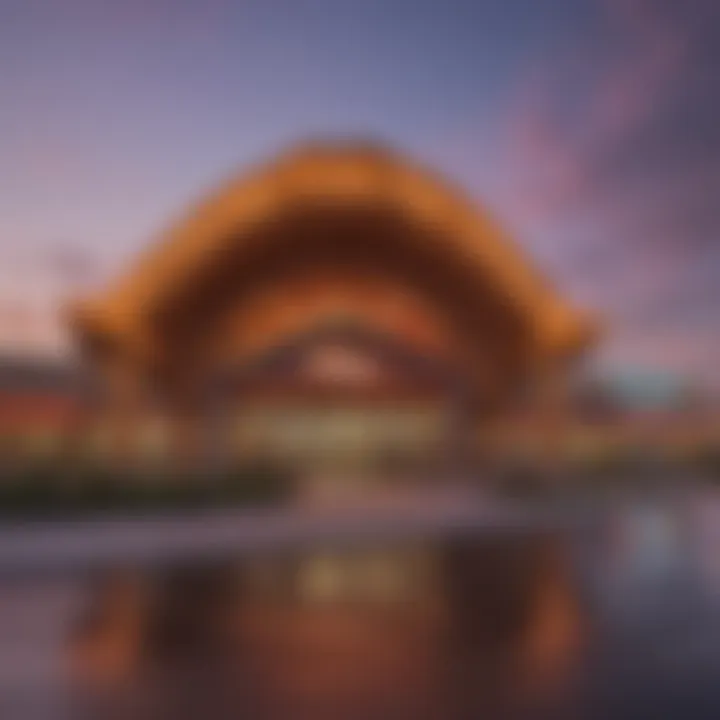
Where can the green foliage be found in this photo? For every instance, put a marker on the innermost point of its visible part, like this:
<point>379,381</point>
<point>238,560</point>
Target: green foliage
<point>52,491</point>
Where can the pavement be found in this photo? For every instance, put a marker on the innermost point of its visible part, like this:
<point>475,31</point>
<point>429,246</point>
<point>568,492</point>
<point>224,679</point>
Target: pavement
<point>157,539</point>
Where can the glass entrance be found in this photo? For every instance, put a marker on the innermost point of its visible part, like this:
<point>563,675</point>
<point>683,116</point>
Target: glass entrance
<point>341,439</point>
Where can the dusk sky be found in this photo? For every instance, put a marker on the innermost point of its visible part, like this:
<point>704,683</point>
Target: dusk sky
<point>590,128</point>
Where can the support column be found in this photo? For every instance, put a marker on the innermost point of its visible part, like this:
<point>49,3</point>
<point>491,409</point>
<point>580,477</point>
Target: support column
<point>187,421</point>
<point>124,410</point>
<point>218,413</point>
<point>460,430</point>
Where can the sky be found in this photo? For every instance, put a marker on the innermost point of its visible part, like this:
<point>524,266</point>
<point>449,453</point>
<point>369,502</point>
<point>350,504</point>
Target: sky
<point>589,128</point>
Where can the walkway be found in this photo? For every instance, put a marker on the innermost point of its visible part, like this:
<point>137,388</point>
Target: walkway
<point>149,541</point>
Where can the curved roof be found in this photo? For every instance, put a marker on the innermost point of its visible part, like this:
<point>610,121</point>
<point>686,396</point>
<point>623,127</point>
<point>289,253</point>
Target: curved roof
<point>330,173</point>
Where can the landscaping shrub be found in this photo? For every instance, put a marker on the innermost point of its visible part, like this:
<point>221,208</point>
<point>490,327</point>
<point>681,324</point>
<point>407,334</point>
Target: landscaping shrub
<point>47,491</point>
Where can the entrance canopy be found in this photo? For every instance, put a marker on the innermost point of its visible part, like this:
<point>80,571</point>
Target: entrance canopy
<point>354,227</point>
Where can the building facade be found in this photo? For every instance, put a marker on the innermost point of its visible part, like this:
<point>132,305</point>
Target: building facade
<point>339,296</point>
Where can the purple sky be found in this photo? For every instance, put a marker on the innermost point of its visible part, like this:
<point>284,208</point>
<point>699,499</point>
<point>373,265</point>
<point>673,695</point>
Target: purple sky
<point>590,127</point>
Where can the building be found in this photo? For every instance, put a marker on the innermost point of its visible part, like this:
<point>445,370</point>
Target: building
<point>340,295</point>
<point>42,403</point>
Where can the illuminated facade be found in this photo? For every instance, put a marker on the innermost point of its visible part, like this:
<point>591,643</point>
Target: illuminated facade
<point>389,292</point>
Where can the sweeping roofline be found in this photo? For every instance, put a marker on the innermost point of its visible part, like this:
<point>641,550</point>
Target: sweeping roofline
<point>357,173</point>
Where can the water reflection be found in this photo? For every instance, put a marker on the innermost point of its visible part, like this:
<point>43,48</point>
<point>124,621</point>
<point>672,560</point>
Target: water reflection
<point>621,621</point>
<point>414,631</point>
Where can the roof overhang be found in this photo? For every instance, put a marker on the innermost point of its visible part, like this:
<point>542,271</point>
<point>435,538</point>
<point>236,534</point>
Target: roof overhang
<point>333,176</point>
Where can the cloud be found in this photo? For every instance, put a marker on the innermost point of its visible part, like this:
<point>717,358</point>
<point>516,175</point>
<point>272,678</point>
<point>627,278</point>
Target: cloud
<point>558,155</point>
<point>603,176</point>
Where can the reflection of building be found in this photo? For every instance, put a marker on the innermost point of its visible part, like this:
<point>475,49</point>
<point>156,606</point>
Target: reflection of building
<point>402,314</point>
<point>318,634</point>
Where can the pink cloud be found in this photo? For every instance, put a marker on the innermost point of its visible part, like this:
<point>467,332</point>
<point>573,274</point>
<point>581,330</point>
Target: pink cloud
<point>636,83</point>
<point>553,164</point>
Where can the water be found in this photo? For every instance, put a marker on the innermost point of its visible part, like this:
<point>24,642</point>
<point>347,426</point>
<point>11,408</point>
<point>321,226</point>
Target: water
<point>618,620</point>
